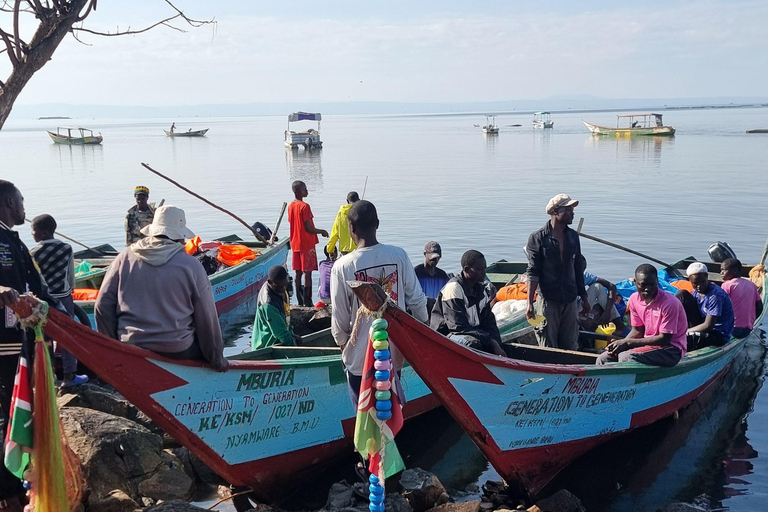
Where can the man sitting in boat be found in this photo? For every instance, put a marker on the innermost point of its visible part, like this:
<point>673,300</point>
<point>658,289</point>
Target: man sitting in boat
<point>746,300</point>
<point>463,308</point>
<point>139,216</point>
<point>272,323</point>
<point>658,325</point>
<point>431,278</point>
<point>372,262</point>
<point>709,309</point>
<point>158,297</point>
<point>602,296</point>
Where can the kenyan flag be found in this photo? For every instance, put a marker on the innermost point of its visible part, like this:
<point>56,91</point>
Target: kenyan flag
<point>18,440</point>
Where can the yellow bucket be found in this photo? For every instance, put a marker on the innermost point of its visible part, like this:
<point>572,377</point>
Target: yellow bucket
<point>606,329</point>
<point>601,344</point>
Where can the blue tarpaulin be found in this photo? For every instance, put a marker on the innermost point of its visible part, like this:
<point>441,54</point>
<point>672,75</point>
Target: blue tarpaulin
<point>303,116</point>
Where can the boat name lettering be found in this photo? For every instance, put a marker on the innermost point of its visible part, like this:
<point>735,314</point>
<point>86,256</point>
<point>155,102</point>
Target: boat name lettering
<point>191,408</point>
<point>581,386</point>
<point>539,406</point>
<point>623,395</point>
<point>262,434</point>
<point>220,289</point>
<point>531,441</point>
<point>305,425</point>
<point>237,280</point>
<point>265,380</point>
<point>229,419</point>
<point>284,396</point>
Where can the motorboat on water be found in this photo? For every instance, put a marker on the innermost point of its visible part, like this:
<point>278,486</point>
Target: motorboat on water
<point>638,124</point>
<point>310,139</point>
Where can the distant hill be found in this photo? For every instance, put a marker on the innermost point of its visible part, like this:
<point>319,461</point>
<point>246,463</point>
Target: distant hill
<point>555,104</point>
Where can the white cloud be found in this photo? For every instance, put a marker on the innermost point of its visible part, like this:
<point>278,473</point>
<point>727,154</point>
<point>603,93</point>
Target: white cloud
<point>677,50</point>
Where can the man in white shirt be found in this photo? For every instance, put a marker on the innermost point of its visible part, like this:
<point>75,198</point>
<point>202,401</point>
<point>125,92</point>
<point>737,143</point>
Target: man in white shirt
<point>386,265</point>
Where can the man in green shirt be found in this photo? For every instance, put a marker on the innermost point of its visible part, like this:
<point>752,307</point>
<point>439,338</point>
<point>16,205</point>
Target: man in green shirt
<point>272,324</point>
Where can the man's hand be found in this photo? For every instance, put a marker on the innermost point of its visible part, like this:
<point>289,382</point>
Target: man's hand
<point>585,307</point>
<point>223,367</point>
<point>530,314</point>
<point>618,346</point>
<point>297,339</point>
<point>324,233</point>
<point>8,296</point>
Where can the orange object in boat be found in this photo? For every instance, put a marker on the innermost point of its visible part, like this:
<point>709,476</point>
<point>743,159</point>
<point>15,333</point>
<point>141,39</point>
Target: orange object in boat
<point>192,245</point>
<point>683,284</point>
<point>235,254</point>
<point>85,294</point>
<point>517,291</point>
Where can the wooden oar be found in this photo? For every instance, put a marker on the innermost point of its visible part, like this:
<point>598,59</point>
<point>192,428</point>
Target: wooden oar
<point>65,237</point>
<point>617,246</point>
<point>765,253</point>
<point>210,203</point>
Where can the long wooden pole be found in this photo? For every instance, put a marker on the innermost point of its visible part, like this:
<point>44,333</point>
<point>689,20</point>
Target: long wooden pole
<point>210,203</point>
<point>65,237</point>
<point>620,247</point>
<point>364,187</point>
<point>279,220</point>
<point>765,253</point>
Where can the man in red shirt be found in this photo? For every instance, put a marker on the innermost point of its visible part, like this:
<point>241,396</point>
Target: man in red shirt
<point>303,242</point>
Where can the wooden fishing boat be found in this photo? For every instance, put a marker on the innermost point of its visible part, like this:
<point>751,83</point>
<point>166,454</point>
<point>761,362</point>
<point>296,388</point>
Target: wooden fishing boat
<point>188,133</point>
<point>543,120</point>
<point>75,136</point>
<point>231,286</point>
<point>274,419</point>
<point>535,412</point>
<point>637,124</point>
<point>758,130</point>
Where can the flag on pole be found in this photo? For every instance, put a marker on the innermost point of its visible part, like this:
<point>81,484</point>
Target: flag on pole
<point>375,438</point>
<point>18,440</point>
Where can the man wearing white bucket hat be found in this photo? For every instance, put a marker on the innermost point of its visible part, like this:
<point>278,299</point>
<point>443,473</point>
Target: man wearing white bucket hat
<point>158,297</point>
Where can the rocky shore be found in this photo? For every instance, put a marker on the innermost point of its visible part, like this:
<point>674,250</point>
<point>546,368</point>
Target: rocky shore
<point>129,464</point>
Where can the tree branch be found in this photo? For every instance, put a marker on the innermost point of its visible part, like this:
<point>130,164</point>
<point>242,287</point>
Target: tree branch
<point>91,6</point>
<point>166,22</point>
<point>9,48</point>
<point>16,37</point>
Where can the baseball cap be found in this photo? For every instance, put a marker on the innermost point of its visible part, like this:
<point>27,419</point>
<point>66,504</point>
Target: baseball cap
<point>558,201</point>
<point>432,250</point>
<point>696,268</point>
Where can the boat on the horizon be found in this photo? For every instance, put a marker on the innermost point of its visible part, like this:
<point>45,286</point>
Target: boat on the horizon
<point>758,130</point>
<point>188,133</point>
<point>309,139</point>
<point>638,124</point>
<point>543,120</point>
<point>538,410</point>
<point>74,136</point>
<point>490,127</point>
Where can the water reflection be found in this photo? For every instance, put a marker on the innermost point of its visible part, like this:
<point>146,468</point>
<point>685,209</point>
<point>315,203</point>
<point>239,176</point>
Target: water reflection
<point>79,157</point>
<point>306,166</point>
<point>236,326</point>
<point>542,140</point>
<point>490,141</point>
<point>644,149</point>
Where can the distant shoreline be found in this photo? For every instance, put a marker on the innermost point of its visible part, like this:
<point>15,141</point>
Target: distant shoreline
<point>53,117</point>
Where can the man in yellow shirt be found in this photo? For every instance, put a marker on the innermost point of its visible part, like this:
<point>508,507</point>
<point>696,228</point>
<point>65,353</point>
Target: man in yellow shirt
<point>340,230</point>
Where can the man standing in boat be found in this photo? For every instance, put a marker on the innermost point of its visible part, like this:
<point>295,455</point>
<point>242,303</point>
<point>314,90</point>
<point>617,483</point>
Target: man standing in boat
<point>303,242</point>
<point>556,271</point>
<point>658,325</point>
<point>340,229</point>
<point>372,262</point>
<point>139,216</point>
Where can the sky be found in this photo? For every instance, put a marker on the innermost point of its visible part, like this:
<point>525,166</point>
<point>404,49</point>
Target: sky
<point>406,51</point>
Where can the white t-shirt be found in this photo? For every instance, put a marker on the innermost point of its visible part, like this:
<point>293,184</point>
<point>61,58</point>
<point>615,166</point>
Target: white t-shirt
<point>387,266</point>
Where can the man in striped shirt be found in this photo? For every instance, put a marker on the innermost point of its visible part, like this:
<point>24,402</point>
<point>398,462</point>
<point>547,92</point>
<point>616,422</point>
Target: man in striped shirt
<point>56,262</point>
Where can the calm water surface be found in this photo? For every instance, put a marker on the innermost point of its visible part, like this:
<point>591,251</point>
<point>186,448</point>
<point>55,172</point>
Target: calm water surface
<point>439,177</point>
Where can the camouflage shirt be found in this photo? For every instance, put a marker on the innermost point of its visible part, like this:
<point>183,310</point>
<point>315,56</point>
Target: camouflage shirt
<point>134,221</point>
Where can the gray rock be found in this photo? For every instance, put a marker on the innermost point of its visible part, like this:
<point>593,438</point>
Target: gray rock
<point>422,489</point>
<point>116,501</point>
<point>119,454</point>
<point>174,506</point>
<point>467,506</point>
<point>396,502</point>
<point>561,501</point>
<point>341,496</point>
<point>168,482</point>
<point>682,507</point>
<point>196,469</point>
<point>105,400</point>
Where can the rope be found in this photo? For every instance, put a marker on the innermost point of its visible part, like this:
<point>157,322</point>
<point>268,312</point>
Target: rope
<point>37,319</point>
<point>364,312</point>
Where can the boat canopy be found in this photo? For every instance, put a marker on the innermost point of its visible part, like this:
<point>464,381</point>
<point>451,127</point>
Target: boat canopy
<point>541,113</point>
<point>639,115</point>
<point>303,116</point>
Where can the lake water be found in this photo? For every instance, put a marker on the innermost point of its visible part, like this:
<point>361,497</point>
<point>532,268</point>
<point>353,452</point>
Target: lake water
<point>439,178</point>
